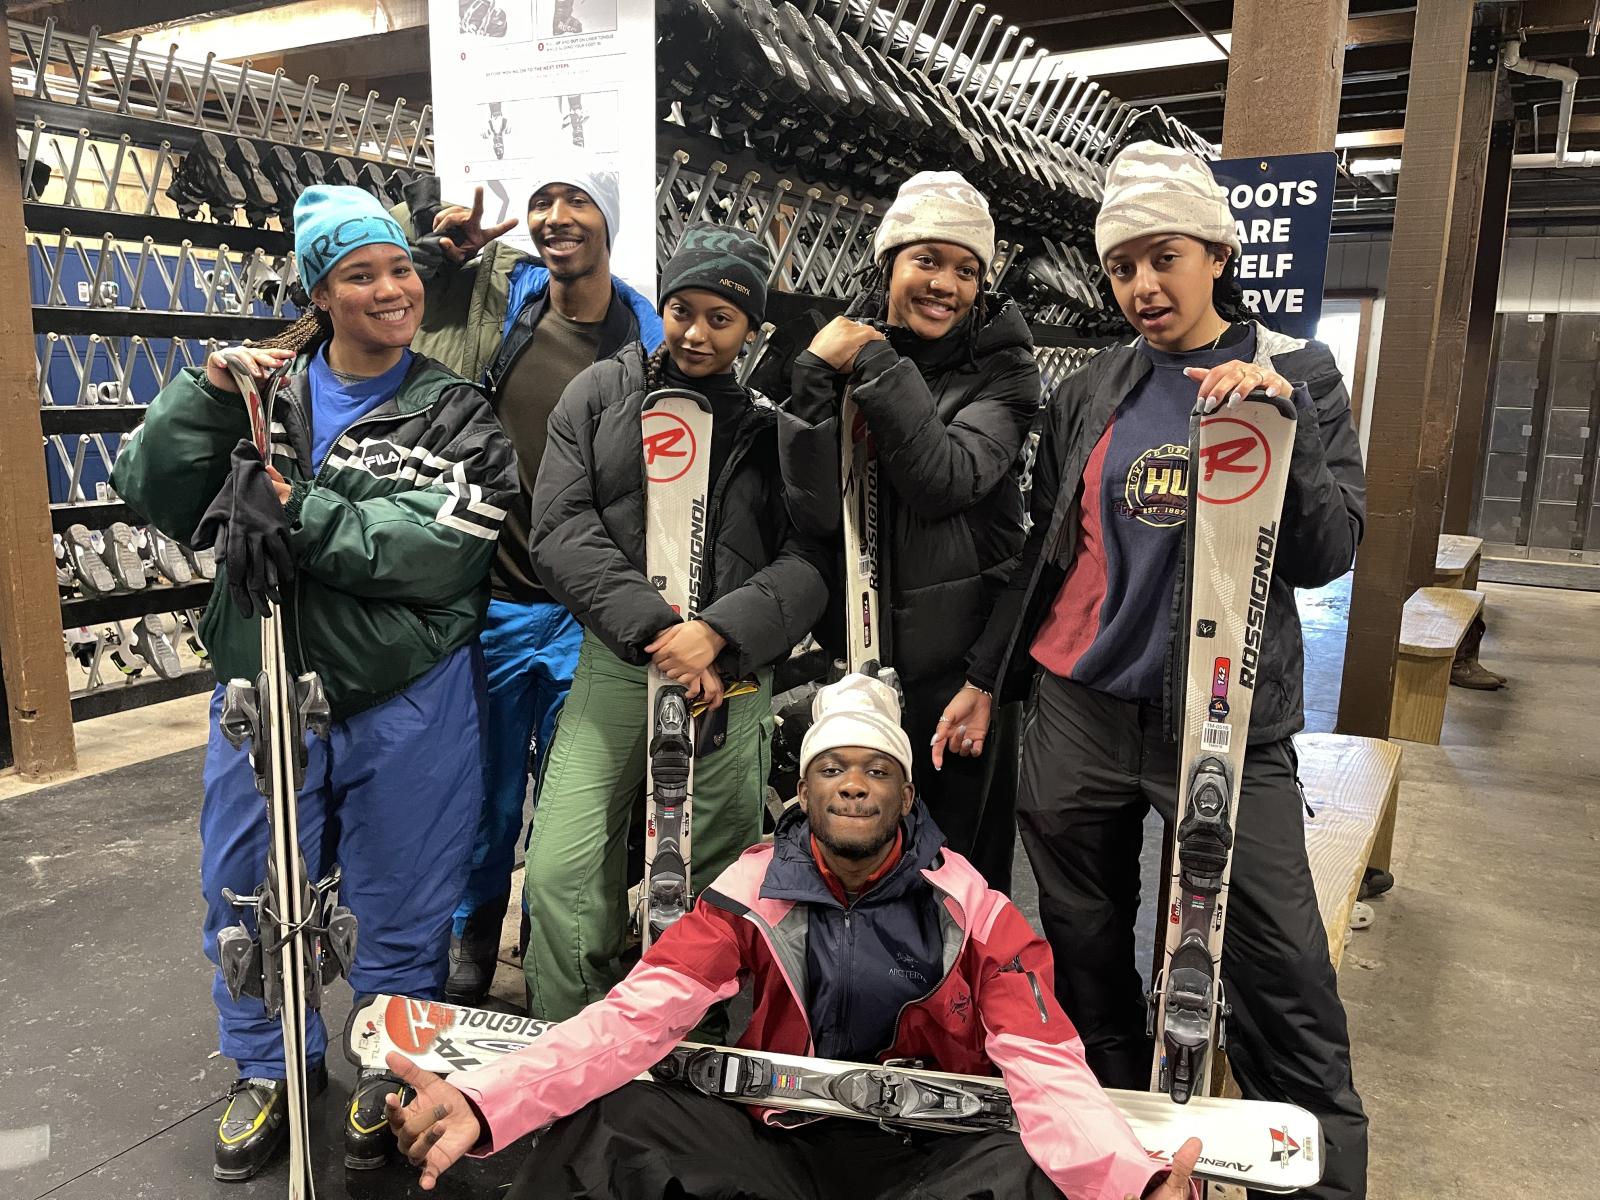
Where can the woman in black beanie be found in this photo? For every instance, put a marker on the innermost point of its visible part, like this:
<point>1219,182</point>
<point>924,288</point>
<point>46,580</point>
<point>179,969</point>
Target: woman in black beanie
<point>588,547</point>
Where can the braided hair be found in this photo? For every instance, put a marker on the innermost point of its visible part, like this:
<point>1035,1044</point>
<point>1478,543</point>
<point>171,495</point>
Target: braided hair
<point>653,368</point>
<point>313,327</point>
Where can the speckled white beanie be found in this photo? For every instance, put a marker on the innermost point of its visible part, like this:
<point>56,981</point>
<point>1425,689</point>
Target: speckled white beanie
<point>937,206</point>
<point>1151,188</point>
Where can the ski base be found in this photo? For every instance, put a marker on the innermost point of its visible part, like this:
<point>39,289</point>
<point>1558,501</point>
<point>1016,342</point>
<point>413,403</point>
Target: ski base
<point>1266,1146</point>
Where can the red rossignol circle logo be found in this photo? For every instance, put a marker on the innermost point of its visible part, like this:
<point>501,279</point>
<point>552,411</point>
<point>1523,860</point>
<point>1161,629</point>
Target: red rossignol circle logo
<point>1234,462</point>
<point>669,446</point>
<point>413,1025</point>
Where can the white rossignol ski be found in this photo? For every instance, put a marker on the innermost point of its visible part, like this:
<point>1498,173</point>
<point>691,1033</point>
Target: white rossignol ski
<point>861,512</point>
<point>1270,1147</point>
<point>676,428</point>
<point>304,938</point>
<point>1238,468</point>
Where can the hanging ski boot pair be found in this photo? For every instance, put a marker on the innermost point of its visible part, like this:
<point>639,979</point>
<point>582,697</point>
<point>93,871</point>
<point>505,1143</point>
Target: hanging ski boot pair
<point>206,178</point>
<point>255,1124</point>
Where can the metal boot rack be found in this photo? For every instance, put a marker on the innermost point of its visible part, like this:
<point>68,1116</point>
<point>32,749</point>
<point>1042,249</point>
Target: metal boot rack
<point>127,290</point>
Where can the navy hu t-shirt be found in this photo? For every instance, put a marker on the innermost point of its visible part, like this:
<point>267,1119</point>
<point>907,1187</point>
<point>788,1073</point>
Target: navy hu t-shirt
<point>1108,626</point>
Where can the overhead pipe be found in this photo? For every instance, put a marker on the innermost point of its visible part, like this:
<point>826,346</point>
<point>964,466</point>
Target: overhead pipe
<point>1511,56</point>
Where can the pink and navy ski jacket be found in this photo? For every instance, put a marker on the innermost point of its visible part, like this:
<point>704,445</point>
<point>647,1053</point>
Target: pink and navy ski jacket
<point>992,1009</point>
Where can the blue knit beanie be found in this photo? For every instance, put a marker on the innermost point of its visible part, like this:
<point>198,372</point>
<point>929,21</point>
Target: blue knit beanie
<point>329,222</point>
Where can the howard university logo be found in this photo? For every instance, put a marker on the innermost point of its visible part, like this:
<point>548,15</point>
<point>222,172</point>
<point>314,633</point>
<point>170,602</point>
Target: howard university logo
<point>1157,487</point>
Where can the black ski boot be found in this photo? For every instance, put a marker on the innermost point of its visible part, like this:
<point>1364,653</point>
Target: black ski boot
<point>367,1136</point>
<point>255,1123</point>
<point>473,956</point>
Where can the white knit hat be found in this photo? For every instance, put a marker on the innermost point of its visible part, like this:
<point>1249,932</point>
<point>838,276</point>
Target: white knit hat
<point>1151,188</point>
<point>599,183</point>
<point>937,206</point>
<point>856,711</point>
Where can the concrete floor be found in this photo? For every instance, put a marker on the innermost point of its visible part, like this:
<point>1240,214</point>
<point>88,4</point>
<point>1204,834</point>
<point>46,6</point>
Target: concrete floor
<point>1471,998</point>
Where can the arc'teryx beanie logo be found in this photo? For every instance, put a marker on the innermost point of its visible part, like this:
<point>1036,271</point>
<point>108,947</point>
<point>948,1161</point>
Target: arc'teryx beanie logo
<point>330,222</point>
<point>729,262</point>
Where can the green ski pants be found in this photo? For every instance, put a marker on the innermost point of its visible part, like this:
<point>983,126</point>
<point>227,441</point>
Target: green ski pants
<point>576,881</point>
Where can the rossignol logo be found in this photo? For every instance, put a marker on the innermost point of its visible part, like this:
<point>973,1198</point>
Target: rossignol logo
<point>380,458</point>
<point>669,446</point>
<point>1234,460</point>
<point>1256,619</point>
<point>697,549</point>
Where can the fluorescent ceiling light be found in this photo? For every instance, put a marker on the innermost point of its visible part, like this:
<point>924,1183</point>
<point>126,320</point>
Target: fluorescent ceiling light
<point>1140,56</point>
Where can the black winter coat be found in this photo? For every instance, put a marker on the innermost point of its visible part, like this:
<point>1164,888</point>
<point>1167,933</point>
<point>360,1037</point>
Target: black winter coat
<point>949,446</point>
<point>588,528</point>
<point>1324,512</point>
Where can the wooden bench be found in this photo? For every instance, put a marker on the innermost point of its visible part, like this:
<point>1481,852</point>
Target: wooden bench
<point>1455,565</point>
<point>1434,622</point>
<point>1352,784</point>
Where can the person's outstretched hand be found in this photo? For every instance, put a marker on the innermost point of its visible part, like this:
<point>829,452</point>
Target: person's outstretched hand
<point>1176,1185</point>
<point>437,1127</point>
<point>963,726</point>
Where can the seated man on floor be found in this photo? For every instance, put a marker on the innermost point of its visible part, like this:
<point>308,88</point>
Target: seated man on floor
<point>863,938</point>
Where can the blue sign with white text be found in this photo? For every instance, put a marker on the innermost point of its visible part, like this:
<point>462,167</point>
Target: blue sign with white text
<point>1283,205</point>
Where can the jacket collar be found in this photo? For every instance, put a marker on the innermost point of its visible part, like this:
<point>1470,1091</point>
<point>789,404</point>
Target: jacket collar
<point>531,282</point>
<point>794,875</point>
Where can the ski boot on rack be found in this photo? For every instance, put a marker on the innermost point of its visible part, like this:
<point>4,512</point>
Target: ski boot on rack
<point>124,559</point>
<point>280,168</point>
<point>154,644</point>
<point>342,173</point>
<point>206,178</point>
<point>261,197</point>
<point>311,170</point>
<point>204,562</point>
<point>369,178</point>
<point>86,550</point>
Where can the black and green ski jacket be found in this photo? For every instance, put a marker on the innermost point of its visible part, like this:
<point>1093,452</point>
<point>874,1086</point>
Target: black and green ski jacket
<point>392,537</point>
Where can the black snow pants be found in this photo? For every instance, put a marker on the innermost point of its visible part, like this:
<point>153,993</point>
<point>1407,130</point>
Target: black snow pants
<point>973,800</point>
<point>650,1142</point>
<point>1092,767</point>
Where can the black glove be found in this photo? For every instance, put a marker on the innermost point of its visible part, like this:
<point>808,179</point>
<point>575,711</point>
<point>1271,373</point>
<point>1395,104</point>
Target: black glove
<point>247,525</point>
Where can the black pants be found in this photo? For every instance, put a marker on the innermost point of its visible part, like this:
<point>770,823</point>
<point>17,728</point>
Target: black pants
<point>972,800</point>
<point>648,1142</point>
<point>1092,767</point>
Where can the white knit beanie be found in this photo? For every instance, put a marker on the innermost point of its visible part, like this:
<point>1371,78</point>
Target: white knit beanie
<point>856,711</point>
<point>937,206</point>
<point>600,184</point>
<point>1151,188</point>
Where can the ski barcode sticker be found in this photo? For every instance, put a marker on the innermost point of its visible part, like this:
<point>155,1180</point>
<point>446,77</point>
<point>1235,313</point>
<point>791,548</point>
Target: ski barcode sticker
<point>1216,736</point>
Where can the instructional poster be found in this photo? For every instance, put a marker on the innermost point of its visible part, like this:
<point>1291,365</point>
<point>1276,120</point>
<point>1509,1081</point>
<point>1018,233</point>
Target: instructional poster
<point>521,85</point>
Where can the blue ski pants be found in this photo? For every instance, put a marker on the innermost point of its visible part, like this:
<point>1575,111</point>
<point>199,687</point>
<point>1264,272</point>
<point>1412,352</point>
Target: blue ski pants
<point>393,797</point>
<point>530,652</point>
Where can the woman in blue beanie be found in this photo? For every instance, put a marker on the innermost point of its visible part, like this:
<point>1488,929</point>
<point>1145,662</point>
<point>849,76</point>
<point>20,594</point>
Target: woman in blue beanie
<point>382,505</point>
<point>588,546</point>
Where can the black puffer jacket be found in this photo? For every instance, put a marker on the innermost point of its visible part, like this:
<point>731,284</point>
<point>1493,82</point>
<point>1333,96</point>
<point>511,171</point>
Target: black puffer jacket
<point>588,528</point>
<point>1324,511</point>
<point>949,435</point>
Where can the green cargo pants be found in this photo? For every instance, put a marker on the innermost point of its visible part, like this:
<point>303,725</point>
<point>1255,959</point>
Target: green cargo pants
<point>576,878</point>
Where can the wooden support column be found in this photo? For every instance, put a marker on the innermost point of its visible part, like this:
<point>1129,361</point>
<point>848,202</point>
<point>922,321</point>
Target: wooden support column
<point>37,705</point>
<point>1410,327</point>
<point>1285,68</point>
<point>1455,308</point>
<point>1461,491</point>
